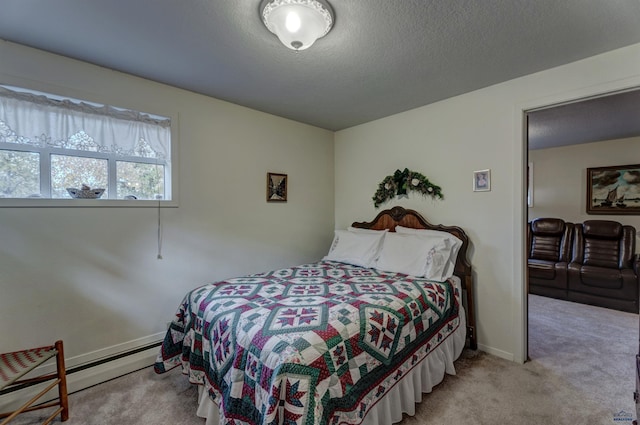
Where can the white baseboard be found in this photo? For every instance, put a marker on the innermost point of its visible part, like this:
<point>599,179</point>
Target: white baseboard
<point>104,369</point>
<point>498,353</point>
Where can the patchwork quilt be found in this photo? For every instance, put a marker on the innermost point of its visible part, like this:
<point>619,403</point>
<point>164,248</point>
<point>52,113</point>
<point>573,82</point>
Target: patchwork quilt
<point>314,344</point>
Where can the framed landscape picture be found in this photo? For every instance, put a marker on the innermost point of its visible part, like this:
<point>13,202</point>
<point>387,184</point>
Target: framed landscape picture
<point>613,190</point>
<point>276,187</point>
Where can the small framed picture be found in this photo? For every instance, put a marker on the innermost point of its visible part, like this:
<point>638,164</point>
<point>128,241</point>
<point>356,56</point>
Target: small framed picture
<point>276,187</point>
<point>482,180</point>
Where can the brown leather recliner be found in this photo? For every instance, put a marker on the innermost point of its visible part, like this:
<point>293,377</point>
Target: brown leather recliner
<point>604,268</point>
<point>549,254</point>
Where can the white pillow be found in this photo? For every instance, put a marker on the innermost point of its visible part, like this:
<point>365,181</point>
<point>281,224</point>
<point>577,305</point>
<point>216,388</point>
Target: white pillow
<point>453,243</point>
<point>370,231</point>
<point>360,249</point>
<point>413,255</point>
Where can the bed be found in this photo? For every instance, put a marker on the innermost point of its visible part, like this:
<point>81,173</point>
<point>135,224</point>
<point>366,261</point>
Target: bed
<point>330,342</point>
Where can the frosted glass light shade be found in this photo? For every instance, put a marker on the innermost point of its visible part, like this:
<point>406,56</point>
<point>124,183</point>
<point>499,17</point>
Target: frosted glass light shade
<point>297,23</point>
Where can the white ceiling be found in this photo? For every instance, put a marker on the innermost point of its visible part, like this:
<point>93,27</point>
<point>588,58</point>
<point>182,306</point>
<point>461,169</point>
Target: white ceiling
<point>382,56</point>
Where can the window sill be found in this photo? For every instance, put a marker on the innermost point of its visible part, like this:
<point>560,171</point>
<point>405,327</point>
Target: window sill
<point>83,203</point>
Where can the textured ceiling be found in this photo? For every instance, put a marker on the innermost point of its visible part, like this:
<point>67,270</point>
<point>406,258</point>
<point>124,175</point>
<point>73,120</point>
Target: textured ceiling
<point>616,116</point>
<point>382,56</point>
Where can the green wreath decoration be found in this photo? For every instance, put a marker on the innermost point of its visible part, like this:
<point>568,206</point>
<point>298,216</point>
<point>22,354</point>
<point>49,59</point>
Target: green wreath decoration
<point>401,182</point>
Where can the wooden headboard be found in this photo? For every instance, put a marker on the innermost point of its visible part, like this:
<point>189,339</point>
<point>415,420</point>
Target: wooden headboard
<point>398,216</point>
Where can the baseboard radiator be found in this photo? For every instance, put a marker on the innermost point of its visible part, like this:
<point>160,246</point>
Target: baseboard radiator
<point>81,375</point>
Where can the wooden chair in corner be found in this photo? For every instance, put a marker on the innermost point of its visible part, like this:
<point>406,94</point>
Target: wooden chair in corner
<point>14,366</point>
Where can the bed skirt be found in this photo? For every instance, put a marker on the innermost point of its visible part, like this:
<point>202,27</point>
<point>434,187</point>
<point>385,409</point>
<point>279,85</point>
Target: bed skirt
<point>402,397</point>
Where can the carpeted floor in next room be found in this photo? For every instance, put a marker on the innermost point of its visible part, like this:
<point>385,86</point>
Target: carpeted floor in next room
<point>581,372</point>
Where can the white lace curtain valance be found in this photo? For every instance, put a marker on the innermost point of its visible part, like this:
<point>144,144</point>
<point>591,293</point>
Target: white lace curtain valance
<point>38,120</point>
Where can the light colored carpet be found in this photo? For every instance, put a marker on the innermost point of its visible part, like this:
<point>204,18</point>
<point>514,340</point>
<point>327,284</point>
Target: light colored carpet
<point>581,372</point>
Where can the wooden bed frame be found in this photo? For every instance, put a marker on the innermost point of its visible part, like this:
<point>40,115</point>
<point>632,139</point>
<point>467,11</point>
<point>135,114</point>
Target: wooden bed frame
<point>399,216</point>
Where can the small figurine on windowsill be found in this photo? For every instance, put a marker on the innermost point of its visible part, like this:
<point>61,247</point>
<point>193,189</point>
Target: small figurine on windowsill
<point>85,192</point>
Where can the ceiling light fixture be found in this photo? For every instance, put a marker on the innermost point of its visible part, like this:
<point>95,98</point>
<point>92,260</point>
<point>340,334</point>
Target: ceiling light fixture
<point>297,23</point>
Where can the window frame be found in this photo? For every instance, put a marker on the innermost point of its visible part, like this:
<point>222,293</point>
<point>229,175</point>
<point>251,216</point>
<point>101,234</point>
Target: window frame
<point>171,169</point>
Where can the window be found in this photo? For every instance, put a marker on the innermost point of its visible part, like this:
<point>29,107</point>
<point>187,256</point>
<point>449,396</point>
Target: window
<point>51,147</point>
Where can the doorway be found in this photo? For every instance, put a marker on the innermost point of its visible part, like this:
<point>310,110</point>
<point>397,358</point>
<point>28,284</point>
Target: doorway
<point>565,139</point>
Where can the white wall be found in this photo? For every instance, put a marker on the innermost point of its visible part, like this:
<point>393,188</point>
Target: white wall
<point>90,276</point>
<point>560,178</point>
<point>450,139</point>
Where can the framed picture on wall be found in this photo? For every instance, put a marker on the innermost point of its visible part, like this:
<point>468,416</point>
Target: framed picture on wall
<point>276,187</point>
<point>482,180</point>
<point>613,190</point>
